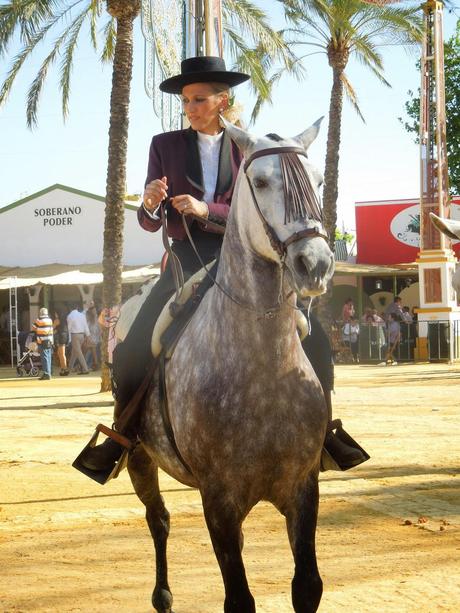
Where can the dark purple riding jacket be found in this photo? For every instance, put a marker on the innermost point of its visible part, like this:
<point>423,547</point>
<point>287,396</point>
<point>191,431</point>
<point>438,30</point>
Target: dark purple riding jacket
<point>175,155</point>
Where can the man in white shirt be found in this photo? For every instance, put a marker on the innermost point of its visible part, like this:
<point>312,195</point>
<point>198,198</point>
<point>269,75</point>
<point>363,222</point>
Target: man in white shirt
<point>78,330</point>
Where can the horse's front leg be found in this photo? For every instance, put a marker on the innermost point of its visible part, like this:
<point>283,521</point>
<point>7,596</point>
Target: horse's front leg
<point>144,476</point>
<point>301,517</point>
<point>224,521</point>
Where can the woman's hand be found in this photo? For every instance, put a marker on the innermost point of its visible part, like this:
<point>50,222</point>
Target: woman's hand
<point>155,192</point>
<point>188,205</point>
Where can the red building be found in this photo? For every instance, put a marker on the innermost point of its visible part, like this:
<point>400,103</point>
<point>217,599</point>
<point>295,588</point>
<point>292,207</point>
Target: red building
<point>388,231</point>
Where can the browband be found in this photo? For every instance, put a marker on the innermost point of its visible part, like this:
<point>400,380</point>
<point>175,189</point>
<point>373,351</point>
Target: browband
<point>272,151</point>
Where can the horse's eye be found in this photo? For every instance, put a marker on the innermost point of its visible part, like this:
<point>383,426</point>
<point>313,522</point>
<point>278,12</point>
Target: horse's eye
<point>260,183</point>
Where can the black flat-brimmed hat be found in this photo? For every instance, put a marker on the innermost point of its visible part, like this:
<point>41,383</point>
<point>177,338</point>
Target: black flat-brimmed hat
<point>203,69</point>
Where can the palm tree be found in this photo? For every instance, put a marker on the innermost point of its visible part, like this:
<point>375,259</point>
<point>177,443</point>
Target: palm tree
<point>35,20</point>
<point>343,29</point>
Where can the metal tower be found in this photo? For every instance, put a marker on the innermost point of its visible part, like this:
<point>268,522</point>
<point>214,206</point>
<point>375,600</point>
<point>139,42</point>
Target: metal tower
<point>434,188</point>
<point>438,313</point>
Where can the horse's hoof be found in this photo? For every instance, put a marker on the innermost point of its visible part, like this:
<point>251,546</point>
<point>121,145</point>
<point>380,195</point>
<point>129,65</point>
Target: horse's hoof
<point>162,601</point>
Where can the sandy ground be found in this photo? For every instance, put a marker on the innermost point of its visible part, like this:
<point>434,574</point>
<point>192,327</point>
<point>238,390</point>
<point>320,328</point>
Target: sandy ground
<point>388,535</point>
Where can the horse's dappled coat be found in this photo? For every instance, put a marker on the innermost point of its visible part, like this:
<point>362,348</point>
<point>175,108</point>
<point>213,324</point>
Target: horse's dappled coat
<point>247,410</point>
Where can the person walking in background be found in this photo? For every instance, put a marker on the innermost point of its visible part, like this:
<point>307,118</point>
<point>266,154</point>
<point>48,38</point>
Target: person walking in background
<point>394,336</point>
<point>348,310</point>
<point>61,336</point>
<point>108,318</point>
<point>93,341</point>
<point>43,328</point>
<point>78,330</point>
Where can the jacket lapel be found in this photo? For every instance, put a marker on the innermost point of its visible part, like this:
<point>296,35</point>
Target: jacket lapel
<point>193,170</point>
<point>225,172</point>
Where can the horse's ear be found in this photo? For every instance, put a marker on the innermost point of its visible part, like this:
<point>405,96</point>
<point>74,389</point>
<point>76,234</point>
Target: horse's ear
<point>243,139</point>
<point>449,227</point>
<point>307,137</point>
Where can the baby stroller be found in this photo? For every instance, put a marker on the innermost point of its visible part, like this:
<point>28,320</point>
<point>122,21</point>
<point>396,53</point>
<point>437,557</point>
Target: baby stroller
<point>30,362</point>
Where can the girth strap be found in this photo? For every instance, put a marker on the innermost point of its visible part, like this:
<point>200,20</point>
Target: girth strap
<point>164,410</point>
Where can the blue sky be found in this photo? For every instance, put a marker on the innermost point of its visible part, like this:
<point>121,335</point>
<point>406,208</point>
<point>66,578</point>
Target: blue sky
<point>378,159</point>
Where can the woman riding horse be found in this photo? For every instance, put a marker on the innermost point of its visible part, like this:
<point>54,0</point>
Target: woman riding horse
<point>194,171</point>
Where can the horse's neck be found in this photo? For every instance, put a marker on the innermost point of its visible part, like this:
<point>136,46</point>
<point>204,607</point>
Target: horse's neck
<point>244,274</point>
<point>257,285</point>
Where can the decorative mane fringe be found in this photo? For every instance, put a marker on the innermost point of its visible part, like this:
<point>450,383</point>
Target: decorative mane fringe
<point>300,199</point>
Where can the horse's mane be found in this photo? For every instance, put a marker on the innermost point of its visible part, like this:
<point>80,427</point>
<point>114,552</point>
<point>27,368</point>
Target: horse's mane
<point>300,198</point>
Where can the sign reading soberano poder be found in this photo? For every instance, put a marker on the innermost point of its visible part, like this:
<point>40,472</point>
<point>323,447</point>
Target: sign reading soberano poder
<point>57,216</point>
<point>388,231</point>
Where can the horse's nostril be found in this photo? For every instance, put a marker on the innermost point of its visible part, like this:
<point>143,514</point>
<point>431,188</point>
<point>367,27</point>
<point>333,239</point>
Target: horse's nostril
<point>316,270</point>
<point>301,265</point>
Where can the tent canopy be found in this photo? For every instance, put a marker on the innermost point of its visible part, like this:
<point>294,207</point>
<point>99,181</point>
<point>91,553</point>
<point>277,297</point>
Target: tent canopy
<point>67,274</point>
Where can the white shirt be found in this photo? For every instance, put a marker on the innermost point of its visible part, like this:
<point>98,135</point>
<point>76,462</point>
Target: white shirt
<point>209,146</point>
<point>76,323</point>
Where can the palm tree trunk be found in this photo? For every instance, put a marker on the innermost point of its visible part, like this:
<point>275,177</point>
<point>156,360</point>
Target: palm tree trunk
<point>112,264</point>
<point>331,172</point>
<point>331,178</point>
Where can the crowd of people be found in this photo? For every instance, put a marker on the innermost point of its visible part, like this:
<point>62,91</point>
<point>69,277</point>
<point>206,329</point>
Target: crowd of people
<point>75,336</point>
<point>384,330</point>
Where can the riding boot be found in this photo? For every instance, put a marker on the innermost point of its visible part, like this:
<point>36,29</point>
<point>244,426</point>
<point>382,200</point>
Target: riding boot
<point>340,451</point>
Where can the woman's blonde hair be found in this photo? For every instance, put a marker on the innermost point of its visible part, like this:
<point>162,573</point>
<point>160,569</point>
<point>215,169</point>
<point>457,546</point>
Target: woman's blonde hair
<point>234,109</point>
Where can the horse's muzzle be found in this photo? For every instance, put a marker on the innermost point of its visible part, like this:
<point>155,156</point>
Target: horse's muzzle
<point>311,265</point>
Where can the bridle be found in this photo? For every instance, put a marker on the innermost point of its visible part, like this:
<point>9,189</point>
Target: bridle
<point>278,245</point>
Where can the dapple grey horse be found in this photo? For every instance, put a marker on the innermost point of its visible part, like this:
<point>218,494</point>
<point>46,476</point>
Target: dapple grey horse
<point>451,228</point>
<point>246,409</point>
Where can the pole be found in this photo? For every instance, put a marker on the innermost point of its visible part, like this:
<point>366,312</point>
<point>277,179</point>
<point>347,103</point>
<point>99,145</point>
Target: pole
<point>212,14</point>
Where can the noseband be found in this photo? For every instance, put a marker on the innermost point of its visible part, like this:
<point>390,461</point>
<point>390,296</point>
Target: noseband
<point>278,245</point>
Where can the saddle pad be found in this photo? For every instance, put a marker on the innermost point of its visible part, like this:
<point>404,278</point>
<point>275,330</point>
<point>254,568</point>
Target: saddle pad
<point>165,318</point>
<point>131,308</point>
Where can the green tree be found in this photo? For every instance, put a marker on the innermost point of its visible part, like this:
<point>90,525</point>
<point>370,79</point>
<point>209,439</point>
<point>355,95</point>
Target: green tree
<point>343,29</point>
<point>110,24</point>
<point>452,92</point>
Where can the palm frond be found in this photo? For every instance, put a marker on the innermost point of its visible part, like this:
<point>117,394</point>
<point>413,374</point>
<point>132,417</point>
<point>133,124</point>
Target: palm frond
<point>96,10</point>
<point>260,101</point>
<point>36,87</point>
<point>247,60</point>
<point>351,95</point>
<point>27,16</point>
<point>252,24</point>
<point>27,50</point>
<point>250,20</point>
<point>363,46</point>
<point>110,36</point>
<point>67,60</point>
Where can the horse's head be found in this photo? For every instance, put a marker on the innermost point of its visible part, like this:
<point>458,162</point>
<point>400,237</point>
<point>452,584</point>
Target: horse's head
<point>277,202</point>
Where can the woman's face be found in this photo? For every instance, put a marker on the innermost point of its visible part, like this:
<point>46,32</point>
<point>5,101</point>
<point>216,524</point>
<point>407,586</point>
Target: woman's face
<point>202,107</point>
